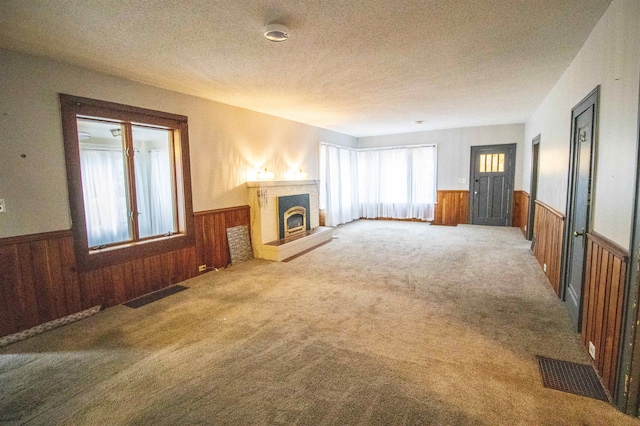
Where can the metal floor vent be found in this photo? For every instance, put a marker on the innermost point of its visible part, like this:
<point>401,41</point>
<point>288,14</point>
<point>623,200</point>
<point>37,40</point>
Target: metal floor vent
<point>578,379</point>
<point>152,297</point>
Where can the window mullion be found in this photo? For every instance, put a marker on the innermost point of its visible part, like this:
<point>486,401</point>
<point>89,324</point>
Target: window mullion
<point>174,179</point>
<point>131,182</point>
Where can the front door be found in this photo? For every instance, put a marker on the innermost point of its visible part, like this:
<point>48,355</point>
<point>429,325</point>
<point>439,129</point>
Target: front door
<point>582,137</point>
<point>492,171</point>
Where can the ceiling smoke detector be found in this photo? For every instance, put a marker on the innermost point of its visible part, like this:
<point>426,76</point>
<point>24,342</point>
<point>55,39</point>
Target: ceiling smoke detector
<point>276,32</point>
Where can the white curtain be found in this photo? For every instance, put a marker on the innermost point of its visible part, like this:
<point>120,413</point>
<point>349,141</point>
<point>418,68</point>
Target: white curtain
<point>105,199</point>
<point>154,192</point>
<point>339,186</point>
<point>397,183</point>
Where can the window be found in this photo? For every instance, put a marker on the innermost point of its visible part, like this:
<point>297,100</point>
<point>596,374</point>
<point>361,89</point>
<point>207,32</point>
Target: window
<point>377,183</point>
<point>491,163</point>
<point>397,182</point>
<point>129,181</point>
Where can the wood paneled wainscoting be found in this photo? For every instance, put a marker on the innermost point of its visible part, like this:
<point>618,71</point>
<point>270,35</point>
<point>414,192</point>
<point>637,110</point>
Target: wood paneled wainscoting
<point>520,210</point>
<point>548,232</point>
<point>603,303</point>
<point>452,208</point>
<point>212,247</point>
<point>40,282</point>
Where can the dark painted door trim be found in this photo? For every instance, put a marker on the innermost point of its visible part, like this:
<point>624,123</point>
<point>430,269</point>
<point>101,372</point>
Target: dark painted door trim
<point>582,106</point>
<point>627,393</point>
<point>533,185</point>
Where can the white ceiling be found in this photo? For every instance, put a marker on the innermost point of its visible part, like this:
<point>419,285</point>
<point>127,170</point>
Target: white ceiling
<point>361,67</point>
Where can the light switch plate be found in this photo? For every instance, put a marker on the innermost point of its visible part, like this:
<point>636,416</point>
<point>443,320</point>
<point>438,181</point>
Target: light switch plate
<point>2,206</point>
<point>592,350</point>
<point>462,180</point>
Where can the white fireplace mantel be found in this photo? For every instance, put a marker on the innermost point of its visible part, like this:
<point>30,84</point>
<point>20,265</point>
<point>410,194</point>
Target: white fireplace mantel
<point>271,183</point>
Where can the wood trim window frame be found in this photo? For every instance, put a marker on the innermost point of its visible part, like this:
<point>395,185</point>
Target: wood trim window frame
<point>73,107</point>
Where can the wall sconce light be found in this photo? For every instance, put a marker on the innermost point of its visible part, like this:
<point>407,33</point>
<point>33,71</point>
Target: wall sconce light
<point>300,175</point>
<point>296,175</point>
<point>265,174</point>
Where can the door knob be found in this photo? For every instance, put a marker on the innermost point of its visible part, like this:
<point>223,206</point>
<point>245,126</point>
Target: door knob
<point>578,234</point>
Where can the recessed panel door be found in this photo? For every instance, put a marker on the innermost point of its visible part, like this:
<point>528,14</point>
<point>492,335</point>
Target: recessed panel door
<point>582,140</point>
<point>491,184</point>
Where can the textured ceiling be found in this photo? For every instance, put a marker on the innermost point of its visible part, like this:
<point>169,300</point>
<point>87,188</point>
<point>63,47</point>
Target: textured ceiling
<point>361,67</point>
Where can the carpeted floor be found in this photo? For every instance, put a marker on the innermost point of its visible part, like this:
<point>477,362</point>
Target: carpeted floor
<point>390,323</point>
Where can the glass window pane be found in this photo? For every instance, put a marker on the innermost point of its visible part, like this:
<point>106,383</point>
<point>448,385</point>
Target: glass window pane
<point>104,187</point>
<point>154,181</point>
<point>482,163</point>
<point>494,166</point>
<point>501,163</point>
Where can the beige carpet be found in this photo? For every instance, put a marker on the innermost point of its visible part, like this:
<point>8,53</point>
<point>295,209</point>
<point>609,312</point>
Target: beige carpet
<point>390,323</point>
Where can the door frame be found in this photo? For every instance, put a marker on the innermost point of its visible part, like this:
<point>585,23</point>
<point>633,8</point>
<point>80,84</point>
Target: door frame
<point>627,392</point>
<point>511,165</point>
<point>533,185</point>
<point>583,105</point>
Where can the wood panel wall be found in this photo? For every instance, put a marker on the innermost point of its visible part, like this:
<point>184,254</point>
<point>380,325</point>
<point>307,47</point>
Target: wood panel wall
<point>452,208</point>
<point>520,210</point>
<point>212,247</point>
<point>39,281</point>
<point>548,231</point>
<point>603,303</point>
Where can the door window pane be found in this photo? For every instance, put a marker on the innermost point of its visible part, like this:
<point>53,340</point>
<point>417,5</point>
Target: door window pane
<point>157,213</point>
<point>103,169</point>
<point>491,163</point>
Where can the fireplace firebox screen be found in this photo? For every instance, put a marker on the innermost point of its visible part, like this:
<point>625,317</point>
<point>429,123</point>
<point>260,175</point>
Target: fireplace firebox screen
<point>293,215</point>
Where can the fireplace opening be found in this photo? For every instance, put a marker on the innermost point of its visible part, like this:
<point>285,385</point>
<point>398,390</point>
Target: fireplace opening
<point>293,215</point>
<point>295,221</point>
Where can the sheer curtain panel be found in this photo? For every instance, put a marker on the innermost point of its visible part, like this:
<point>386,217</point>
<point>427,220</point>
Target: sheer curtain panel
<point>398,183</point>
<point>339,189</point>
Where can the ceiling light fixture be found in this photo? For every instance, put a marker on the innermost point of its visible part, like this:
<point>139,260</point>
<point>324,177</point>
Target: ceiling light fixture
<point>419,122</point>
<point>276,32</point>
<point>116,132</point>
<point>83,136</point>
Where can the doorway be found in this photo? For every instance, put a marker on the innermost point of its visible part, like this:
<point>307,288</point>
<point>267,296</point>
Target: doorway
<point>491,184</point>
<point>581,166</point>
<point>533,192</point>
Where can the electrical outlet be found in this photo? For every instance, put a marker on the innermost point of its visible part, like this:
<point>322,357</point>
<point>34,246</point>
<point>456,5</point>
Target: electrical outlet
<point>462,180</point>
<point>592,350</point>
<point>2,206</point>
<point>544,267</point>
<point>202,268</point>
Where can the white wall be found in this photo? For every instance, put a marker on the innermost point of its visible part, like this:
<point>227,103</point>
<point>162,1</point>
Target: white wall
<point>454,149</point>
<point>227,144</point>
<point>611,58</point>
